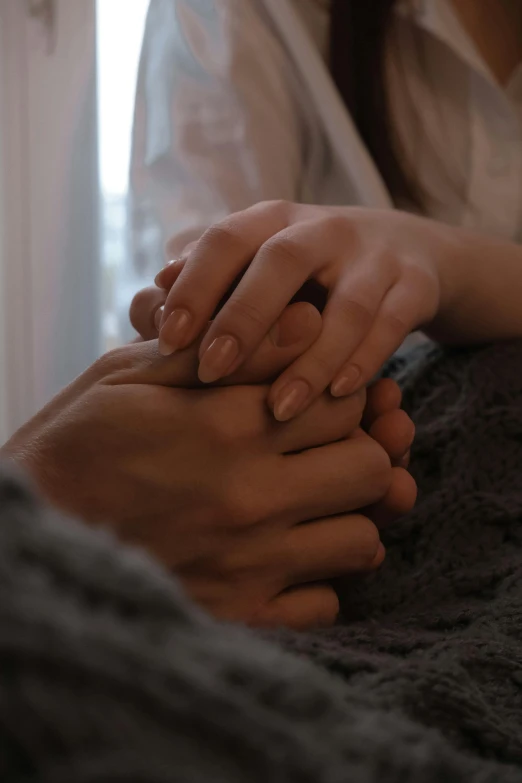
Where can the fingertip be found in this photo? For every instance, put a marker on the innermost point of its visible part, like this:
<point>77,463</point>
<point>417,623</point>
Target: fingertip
<point>383,396</point>
<point>300,608</point>
<point>143,309</point>
<point>167,276</point>
<point>379,557</point>
<point>405,461</point>
<point>398,501</point>
<point>395,432</point>
<point>403,492</point>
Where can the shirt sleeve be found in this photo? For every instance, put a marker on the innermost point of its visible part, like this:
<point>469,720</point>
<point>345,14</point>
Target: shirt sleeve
<point>217,124</point>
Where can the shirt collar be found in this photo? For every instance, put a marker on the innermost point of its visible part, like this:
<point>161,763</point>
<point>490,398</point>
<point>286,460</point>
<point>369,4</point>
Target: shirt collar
<point>439,19</point>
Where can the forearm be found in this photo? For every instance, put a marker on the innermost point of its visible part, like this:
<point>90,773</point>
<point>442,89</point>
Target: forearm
<point>481,290</point>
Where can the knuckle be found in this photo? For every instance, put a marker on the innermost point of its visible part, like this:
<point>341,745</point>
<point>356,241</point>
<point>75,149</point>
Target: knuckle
<point>339,227</point>
<point>173,250</point>
<point>278,206</point>
<point>321,365</point>
<point>116,360</point>
<point>234,416</point>
<point>388,262</point>
<point>241,504</point>
<point>286,250</point>
<point>238,566</point>
<point>218,426</point>
<point>396,325</point>
<point>355,310</point>
<point>246,493</point>
<point>221,238</point>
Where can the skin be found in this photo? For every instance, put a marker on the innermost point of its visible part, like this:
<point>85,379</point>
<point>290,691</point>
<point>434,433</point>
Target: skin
<point>207,481</point>
<point>386,273</point>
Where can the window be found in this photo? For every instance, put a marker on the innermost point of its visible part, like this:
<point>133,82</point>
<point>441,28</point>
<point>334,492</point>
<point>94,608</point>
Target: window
<point>120,26</point>
<point>67,79</point>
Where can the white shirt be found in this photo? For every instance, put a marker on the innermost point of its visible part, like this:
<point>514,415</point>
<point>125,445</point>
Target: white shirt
<point>460,131</point>
<point>235,105</point>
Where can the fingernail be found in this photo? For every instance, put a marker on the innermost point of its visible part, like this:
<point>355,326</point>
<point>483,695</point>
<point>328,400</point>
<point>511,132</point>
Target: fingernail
<point>290,400</point>
<point>218,359</point>
<point>158,280</point>
<point>346,382</point>
<point>173,332</point>
<point>158,315</point>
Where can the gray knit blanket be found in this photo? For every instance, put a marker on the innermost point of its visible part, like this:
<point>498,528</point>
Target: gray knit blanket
<point>107,673</point>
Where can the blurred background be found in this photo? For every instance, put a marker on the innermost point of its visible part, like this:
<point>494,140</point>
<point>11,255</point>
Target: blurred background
<point>119,32</point>
<point>68,71</point>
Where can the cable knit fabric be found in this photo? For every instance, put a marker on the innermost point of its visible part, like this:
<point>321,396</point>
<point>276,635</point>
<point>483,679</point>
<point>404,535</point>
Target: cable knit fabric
<point>107,673</point>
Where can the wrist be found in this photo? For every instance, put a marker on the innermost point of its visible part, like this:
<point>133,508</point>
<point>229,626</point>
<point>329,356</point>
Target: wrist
<point>450,257</point>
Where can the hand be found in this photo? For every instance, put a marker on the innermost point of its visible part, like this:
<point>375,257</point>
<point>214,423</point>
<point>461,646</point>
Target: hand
<point>383,419</point>
<point>378,268</point>
<point>209,483</point>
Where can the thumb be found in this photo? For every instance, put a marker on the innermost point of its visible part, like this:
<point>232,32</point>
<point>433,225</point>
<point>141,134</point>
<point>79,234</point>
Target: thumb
<point>298,327</point>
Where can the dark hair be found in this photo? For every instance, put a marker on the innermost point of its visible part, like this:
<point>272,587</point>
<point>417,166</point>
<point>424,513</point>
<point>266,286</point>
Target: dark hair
<point>358,38</point>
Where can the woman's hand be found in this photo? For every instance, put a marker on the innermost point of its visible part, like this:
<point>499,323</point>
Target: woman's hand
<point>380,270</point>
<point>210,484</point>
<point>383,419</point>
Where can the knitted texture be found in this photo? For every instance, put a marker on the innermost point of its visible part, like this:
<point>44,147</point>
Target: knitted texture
<point>107,673</point>
<point>437,633</point>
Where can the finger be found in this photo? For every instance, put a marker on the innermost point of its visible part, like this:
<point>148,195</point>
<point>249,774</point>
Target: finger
<point>347,319</point>
<point>395,432</point>
<point>298,327</point>
<point>301,608</point>
<point>295,331</point>
<point>276,274</point>
<point>382,396</point>
<point>144,307</point>
<point>398,501</point>
<point>329,548</point>
<point>211,268</point>
<point>399,314</point>
<point>167,276</point>
<point>324,422</point>
<point>329,480</point>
